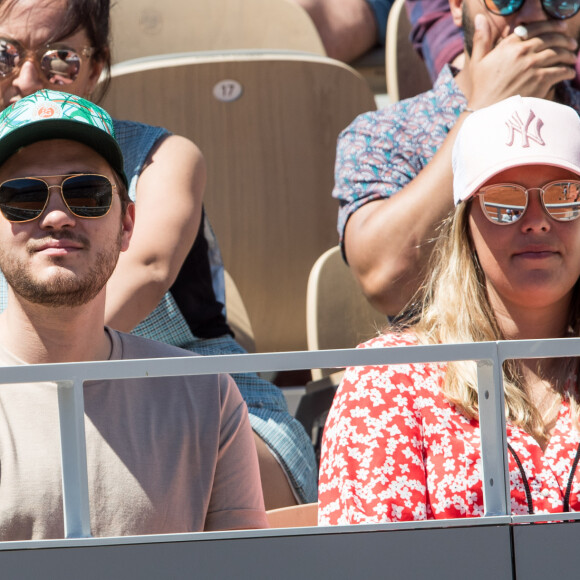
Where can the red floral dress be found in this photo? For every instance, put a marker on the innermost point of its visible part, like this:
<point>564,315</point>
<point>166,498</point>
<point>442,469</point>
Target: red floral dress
<point>395,450</point>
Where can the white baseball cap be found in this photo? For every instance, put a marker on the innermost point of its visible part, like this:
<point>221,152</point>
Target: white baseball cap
<point>514,132</point>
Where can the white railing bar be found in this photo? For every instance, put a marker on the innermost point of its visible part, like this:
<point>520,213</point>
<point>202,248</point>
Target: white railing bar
<point>239,363</point>
<point>317,530</point>
<point>495,470</point>
<point>548,348</point>
<point>75,484</point>
<point>260,533</point>
<point>560,517</point>
<point>296,360</point>
<point>489,355</point>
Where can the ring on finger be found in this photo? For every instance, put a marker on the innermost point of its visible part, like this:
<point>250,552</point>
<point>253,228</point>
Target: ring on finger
<point>521,32</point>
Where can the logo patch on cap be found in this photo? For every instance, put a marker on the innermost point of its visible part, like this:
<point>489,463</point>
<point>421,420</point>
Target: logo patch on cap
<point>528,131</point>
<point>47,110</point>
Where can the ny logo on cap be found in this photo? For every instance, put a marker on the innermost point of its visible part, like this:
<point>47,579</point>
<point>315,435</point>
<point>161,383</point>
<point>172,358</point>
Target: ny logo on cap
<point>529,131</point>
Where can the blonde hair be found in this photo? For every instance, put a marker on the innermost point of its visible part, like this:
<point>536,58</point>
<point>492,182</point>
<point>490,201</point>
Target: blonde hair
<point>453,307</point>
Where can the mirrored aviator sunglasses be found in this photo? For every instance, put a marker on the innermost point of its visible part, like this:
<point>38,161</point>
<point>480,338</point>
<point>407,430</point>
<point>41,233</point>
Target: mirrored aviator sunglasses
<point>86,196</point>
<point>60,64</point>
<point>505,203</point>
<point>557,9</point>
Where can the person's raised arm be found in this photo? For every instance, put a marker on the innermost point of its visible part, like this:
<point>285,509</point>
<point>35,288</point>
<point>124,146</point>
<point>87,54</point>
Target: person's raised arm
<point>387,242</point>
<point>168,213</point>
<point>347,28</point>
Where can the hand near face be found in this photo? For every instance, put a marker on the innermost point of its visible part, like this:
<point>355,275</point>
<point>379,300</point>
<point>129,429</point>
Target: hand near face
<point>506,66</point>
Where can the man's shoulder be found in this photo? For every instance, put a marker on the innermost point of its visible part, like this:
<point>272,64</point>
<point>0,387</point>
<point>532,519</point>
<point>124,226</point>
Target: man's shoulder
<point>130,346</point>
<point>440,105</point>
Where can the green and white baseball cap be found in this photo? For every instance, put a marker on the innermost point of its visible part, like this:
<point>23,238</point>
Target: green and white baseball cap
<point>54,115</point>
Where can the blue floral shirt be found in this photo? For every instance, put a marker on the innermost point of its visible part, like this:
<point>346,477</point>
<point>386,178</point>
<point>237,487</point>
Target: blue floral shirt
<point>380,152</point>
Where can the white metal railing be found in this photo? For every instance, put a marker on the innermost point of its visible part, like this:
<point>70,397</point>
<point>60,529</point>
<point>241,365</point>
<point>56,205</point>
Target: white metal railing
<point>488,355</point>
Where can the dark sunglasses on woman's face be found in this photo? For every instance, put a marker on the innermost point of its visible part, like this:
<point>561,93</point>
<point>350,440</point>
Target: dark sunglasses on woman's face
<point>60,64</point>
<point>558,9</point>
<point>505,203</point>
<point>86,196</point>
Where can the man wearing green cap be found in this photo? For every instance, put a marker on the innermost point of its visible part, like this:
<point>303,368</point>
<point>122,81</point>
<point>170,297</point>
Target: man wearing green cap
<point>164,455</point>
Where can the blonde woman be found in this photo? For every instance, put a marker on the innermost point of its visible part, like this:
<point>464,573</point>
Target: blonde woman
<point>402,442</point>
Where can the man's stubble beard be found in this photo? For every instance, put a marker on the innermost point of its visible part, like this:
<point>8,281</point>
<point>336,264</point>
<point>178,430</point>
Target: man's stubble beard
<point>64,289</point>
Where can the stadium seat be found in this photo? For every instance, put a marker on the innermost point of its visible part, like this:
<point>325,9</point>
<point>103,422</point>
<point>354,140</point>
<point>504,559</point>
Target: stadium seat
<point>338,314</point>
<point>147,27</point>
<point>267,124</point>
<point>407,74</point>
<point>237,315</point>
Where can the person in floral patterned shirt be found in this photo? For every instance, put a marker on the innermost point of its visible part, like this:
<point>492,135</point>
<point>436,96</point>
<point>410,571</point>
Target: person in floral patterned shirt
<point>393,163</point>
<point>402,442</point>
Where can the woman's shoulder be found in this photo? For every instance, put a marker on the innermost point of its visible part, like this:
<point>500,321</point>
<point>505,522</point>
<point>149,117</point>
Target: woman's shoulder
<point>407,376</point>
<point>408,387</point>
<point>130,133</point>
<point>407,338</point>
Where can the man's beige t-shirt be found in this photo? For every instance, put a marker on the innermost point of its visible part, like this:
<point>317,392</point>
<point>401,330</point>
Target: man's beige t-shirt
<point>165,455</point>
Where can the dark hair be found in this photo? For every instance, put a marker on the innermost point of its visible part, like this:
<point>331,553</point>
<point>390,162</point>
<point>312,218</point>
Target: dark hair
<point>92,16</point>
<point>123,192</point>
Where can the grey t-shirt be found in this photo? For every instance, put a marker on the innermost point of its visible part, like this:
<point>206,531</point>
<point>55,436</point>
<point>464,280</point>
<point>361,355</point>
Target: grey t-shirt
<point>165,455</point>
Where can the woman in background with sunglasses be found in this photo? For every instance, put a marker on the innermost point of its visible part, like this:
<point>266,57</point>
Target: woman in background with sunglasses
<point>169,285</point>
<point>402,442</point>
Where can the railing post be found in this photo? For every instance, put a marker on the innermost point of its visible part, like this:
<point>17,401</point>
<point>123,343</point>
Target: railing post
<point>496,485</point>
<point>75,486</point>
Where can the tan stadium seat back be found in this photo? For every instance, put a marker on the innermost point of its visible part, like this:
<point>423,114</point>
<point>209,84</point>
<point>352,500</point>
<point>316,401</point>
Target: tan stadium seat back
<point>338,314</point>
<point>407,74</point>
<point>267,125</point>
<point>237,315</point>
<point>147,27</point>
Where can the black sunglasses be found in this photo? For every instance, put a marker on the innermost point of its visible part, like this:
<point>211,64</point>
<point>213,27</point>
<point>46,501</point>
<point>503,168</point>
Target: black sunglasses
<point>86,196</point>
<point>558,9</point>
<point>59,63</point>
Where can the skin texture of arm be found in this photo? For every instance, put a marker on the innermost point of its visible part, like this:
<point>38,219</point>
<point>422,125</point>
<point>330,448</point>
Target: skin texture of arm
<point>347,28</point>
<point>387,242</point>
<point>401,223</point>
<point>275,485</point>
<point>168,213</point>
